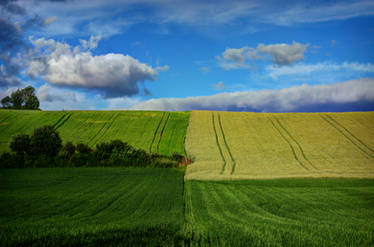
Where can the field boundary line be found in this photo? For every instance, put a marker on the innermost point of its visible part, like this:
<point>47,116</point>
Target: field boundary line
<point>342,126</point>
<point>227,146</point>
<point>64,121</point>
<point>297,143</point>
<point>219,147</point>
<point>162,132</point>
<point>346,136</point>
<point>155,133</point>
<point>289,143</point>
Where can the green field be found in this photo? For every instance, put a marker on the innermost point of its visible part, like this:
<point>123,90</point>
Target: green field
<point>128,206</point>
<point>283,212</point>
<point>90,206</point>
<point>232,145</point>
<point>158,132</point>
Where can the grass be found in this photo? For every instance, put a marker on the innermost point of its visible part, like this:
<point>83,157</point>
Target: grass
<point>139,128</point>
<point>231,145</point>
<point>154,207</point>
<point>90,206</point>
<point>285,212</point>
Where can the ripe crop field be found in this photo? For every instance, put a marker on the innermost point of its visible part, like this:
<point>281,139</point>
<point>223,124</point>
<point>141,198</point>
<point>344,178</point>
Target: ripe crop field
<point>159,132</point>
<point>229,145</point>
<point>283,212</point>
<point>90,206</point>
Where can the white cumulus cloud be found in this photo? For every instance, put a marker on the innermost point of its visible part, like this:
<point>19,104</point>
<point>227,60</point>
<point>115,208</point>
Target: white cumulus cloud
<point>281,54</point>
<point>112,75</point>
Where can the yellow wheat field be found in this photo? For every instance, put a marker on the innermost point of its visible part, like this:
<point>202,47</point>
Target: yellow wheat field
<point>231,145</point>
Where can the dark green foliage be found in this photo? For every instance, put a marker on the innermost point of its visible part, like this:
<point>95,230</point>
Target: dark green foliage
<point>45,141</point>
<point>21,99</point>
<point>17,99</point>
<point>6,102</point>
<point>68,150</point>
<point>20,144</point>
<point>31,102</point>
<point>83,148</point>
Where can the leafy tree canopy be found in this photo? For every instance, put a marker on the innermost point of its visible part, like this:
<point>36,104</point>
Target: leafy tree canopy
<point>21,99</point>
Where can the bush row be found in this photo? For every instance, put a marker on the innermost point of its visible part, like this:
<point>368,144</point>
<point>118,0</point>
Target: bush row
<point>44,149</point>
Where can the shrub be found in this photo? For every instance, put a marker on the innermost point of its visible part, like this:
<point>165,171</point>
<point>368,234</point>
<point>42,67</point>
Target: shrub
<point>45,141</point>
<point>68,150</point>
<point>83,148</point>
<point>20,144</point>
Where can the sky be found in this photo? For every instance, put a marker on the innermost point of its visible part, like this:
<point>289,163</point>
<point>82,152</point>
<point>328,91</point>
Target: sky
<point>237,55</point>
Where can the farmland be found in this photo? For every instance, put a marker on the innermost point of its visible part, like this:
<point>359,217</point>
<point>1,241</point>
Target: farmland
<point>280,212</point>
<point>158,132</point>
<point>141,207</point>
<point>229,145</point>
<point>258,179</point>
<point>90,206</point>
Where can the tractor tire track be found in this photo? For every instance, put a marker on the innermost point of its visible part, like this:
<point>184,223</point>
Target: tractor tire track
<point>297,143</point>
<point>227,146</point>
<point>367,155</point>
<point>219,146</point>
<point>108,127</point>
<point>59,120</point>
<point>162,132</point>
<point>64,121</point>
<point>155,134</point>
<point>99,131</point>
<point>355,137</point>
<point>289,143</point>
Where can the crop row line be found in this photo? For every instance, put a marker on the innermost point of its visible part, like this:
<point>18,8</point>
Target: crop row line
<point>289,143</point>
<point>297,143</point>
<point>162,132</point>
<point>367,155</point>
<point>227,146</point>
<point>219,146</point>
<point>155,133</point>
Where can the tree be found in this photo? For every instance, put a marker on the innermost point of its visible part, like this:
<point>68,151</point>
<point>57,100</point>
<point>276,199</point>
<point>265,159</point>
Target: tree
<point>83,148</point>
<point>6,102</point>
<point>20,144</point>
<point>22,99</point>
<point>46,140</point>
<point>17,99</point>
<point>31,102</point>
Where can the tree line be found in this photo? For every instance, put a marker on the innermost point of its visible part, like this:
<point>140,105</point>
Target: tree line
<point>21,99</point>
<point>44,148</point>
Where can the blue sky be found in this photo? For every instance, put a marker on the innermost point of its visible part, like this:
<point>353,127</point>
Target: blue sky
<point>276,56</point>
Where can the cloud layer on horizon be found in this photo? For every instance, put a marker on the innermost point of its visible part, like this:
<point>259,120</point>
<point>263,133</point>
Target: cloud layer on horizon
<point>353,95</point>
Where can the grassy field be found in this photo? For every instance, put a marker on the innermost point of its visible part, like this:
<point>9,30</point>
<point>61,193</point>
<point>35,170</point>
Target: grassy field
<point>90,206</point>
<point>160,132</point>
<point>229,145</point>
<point>283,212</point>
<point>154,207</point>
